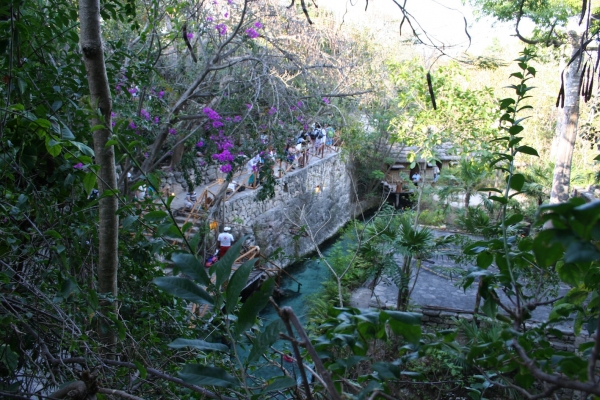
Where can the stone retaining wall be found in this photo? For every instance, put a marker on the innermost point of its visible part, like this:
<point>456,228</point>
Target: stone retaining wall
<point>318,197</point>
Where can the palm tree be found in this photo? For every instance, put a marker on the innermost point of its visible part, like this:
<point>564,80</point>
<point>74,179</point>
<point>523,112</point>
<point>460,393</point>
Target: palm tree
<point>413,243</point>
<point>467,177</point>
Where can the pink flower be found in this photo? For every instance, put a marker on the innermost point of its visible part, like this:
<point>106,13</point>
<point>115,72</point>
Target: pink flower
<point>252,34</point>
<point>221,28</point>
<point>226,168</point>
<point>190,36</point>
<point>78,166</point>
<point>200,144</point>
<point>258,25</point>
<point>132,91</point>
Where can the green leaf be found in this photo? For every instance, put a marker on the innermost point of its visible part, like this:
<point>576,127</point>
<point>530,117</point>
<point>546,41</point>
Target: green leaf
<point>8,357</point>
<point>222,268</point>
<point>191,266</point>
<point>265,340</point>
<point>98,128</point>
<point>514,219</point>
<point>502,200</point>
<point>202,375</point>
<point>130,219</point>
<point>83,149</point>
<point>198,344</point>
<point>236,284</point>
<point>407,324</point>
<point>156,216</point>
<point>484,259</point>
<point>255,303</point>
<point>53,147</point>
<point>527,150</point>
<point>490,308</point>
<point>89,181</point>
<point>66,133</point>
<point>279,384</point>
<point>517,181</point>
<point>183,288</point>
<point>141,368</point>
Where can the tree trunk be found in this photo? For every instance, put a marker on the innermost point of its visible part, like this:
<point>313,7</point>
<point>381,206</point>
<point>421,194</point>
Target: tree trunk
<point>93,57</point>
<point>566,130</point>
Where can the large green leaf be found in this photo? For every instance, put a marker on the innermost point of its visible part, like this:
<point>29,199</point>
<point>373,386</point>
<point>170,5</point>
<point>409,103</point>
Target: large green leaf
<point>191,266</point>
<point>278,384</point>
<point>265,340</point>
<point>197,344</point>
<point>89,181</point>
<point>203,375</point>
<point>222,268</point>
<point>183,288</point>
<point>236,284</point>
<point>253,306</point>
<point>407,324</point>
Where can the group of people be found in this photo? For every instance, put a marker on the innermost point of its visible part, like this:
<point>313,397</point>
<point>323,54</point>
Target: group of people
<point>416,177</point>
<point>318,137</point>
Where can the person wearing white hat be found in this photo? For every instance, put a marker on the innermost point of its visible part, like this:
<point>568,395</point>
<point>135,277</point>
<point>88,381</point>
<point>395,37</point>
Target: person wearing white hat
<point>225,240</point>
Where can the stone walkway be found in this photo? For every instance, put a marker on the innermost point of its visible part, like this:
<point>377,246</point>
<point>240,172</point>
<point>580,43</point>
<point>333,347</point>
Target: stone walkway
<point>434,288</point>
<point>180,195</point>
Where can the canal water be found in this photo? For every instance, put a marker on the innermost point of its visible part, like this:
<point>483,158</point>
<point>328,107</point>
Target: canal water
<point>311,273</point>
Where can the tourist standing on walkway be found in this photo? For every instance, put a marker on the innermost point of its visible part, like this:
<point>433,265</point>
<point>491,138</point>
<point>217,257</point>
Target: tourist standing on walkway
<point>225,240</point>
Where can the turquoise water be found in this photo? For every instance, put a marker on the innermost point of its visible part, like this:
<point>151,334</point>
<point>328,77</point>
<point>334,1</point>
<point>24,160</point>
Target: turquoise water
<point>311,273</point>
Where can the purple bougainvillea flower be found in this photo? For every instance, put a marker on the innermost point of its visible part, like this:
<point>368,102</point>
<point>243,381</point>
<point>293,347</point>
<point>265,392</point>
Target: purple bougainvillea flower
<point>237,118</point>
<point>156,120</point>
<point>132,125</point>
<point>258,25</point>
<point>305,126</point>
<point>226,15</point>
<point>228,119</point>
<point>172,131</point>
<point>145,114</point>
<point>226,168</point>
<point>200,144</point>
<point>161,94</point>
<point>230,2</point>
<point>249,106</point>
<point>252,34</point>
<point>78,166</point>
<point>132,91</point>
<point>221,28</point>
<point>217,124</point>
<point>299,103</point>
<point>326,100</point>
<point>209,19</point>
<point>190,36</point>
<point>272,110</point>
<point>146,155</point>
<point>211,114</point>
<point>293,108</point>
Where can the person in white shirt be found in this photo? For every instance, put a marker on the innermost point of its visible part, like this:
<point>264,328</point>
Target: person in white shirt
<point>225,240</point>
<point>416,178</point>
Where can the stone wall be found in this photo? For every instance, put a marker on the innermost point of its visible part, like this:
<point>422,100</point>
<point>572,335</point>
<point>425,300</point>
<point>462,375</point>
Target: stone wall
<point>317,197</point>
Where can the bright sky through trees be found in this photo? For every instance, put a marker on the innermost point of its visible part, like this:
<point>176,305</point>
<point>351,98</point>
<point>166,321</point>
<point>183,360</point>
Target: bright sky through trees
<point>443,20</point>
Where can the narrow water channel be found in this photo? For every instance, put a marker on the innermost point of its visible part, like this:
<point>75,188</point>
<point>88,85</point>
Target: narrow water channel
<point>308,278</point>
